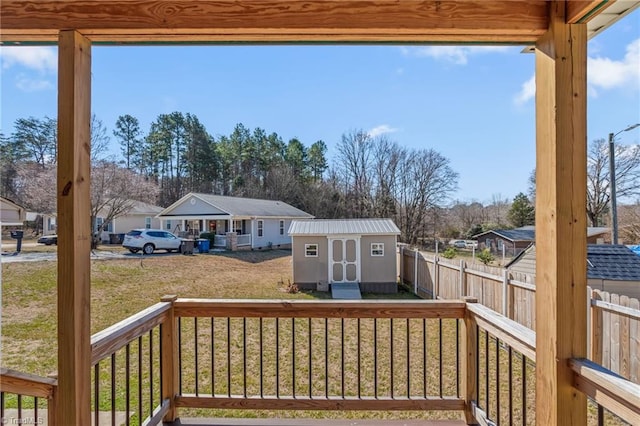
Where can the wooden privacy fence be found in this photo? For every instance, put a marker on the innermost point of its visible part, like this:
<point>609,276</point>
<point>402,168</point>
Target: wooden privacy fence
<point>613,320</point>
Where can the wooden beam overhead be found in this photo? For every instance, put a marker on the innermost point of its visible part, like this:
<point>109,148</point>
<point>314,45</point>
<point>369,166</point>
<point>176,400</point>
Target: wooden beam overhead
<point>578,10</point>
<point>148,21</point>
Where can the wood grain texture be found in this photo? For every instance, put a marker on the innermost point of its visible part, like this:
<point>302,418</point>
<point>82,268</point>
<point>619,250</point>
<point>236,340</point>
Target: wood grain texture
<point>281,20</point>
<point>561,246</point>
<point>318,309</point>
<point>577,10</point>
<point>613,392</point>
<point>109,340</point>
<point>74,229</point>
<point>25,384</point>
<point>468,377</point>
<point>306,403</point>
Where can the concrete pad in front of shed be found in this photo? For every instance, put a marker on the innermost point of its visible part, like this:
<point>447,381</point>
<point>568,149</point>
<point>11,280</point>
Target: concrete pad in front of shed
<point>349,291</point>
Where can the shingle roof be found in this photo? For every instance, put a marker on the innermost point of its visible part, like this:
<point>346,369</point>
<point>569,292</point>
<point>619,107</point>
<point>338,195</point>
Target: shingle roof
<point>140,207</point>
<point>238,206</point>
<point>343,226</point>
<point>528,233</point>
<point>512,234</point>
<point>612,262</point>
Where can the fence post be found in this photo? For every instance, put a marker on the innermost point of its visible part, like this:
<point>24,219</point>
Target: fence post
<point>436,273</point>
<point>596,330</point>
<point>505,292</point>
<point>415,272</point>
<point>52,404</point>
<point>469,364</point>
<point>169,359</point>
<point>463,290</point>
<point>401,264</point>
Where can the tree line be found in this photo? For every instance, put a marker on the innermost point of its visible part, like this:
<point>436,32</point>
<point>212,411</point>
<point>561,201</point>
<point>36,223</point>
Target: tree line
<point>369,176</point>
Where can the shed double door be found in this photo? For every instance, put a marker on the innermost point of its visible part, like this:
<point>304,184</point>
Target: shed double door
<point>344,260</point>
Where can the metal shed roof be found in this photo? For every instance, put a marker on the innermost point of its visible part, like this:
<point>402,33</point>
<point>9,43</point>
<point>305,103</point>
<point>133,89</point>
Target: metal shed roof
<point>343,226</point>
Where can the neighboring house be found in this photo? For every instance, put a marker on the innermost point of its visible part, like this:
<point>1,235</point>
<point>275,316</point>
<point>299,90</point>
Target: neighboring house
<point>44,220</point>
<point>612,268</point>
<point>350,250</point>
<point>140,215</point>
<point>516,240</point>
<point>11,214</point>
<point>236,222</point>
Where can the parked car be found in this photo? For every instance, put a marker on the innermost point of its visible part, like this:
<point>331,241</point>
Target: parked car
<point>458,243</point>
<point>47,240</point>
<point>149,240</point>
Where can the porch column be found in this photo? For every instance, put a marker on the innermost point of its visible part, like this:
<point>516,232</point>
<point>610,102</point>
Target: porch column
<point>74,229</point>
<point>561,187</point>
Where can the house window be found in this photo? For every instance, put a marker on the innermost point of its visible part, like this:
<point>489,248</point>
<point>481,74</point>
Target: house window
<point>260,228</point>
<point>168,225</point>
<point>310,250</point>
<point>99,222</point>
<point>377,249</point>
<point>500,244</point>
<point>147,222</point>
<point>282,227</point>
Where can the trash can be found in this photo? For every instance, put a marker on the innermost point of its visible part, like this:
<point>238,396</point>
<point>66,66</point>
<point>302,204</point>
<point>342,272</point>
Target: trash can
<point>114,239</point>
<point>203,245</point>
<point>186,247</point>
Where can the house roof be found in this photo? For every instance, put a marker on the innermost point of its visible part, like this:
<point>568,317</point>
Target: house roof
<point>239,206</point>
<point>511,234</point>
<point>343,226</point>
<point>140,207</point>
<point>528,233</point>
<point>612,262</point>
<point>604,261</point>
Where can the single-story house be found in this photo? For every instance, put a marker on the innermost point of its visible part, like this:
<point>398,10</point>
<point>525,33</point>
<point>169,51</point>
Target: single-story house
<point>612,268</point>
<point>516,240</point>
<point>139,215</point>
<point>238,223</point>
<point>350,250</point>
<point>11,214</point>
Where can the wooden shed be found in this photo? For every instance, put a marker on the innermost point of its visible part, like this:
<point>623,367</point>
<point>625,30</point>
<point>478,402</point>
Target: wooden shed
<point>359,251</point>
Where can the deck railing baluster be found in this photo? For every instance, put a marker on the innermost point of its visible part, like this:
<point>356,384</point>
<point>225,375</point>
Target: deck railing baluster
<point>391,352</point>
<point>458,366</point>
<point>359,356</point>
<point>19,409</point>
<point>277,357</point>
<point>96,392</point>
<point>261,361</point>
<point>440,356</point>
<point>195,353</point>
<point>600,415</point>
<point>140,401</point>
<point>35,409</point>
<point>213,358</point>
<point>524,390</point>
<point>180,354</point>
<point>375,357</point>
<point>326,357</point>
<point>150,372</point>
<point>342,356</point>
<point>408,361</point>
<point>510,385</point>
<point>113,389</point>
<point>127,381</point>
<point>293,357</point>
<point>244,356</point>
<point>310,360</point>
<point>486,372</point>
<point>229,356</point>
<point>497,381</point>
<point>424,356</point>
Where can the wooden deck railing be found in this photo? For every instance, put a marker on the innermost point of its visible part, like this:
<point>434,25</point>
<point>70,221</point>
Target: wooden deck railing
<point>30,395</point>
<point>319,355</point>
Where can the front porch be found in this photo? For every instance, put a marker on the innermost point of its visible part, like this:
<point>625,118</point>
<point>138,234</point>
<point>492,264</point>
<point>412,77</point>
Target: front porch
<point>424,360</point>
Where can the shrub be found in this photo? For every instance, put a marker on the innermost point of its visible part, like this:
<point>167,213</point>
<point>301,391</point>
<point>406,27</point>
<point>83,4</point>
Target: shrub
<point>450,253</point>
<point>485,256</point>
<point>208,235</point>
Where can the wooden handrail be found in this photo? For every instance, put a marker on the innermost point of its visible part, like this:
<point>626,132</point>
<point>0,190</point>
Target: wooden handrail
<point>510,332</point>
<point>26,384</point>
<point>522,284</point>
<point>109,340</point>
<point>615,393</point>
<point>318,309</point>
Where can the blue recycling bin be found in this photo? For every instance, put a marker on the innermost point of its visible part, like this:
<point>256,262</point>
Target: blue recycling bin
<point>203,245</point>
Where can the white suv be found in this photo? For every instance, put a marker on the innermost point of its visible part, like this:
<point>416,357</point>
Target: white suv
<point>149,240</point>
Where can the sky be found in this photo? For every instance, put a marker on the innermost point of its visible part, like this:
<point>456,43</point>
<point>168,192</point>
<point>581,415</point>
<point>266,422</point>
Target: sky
<point>474,105</point>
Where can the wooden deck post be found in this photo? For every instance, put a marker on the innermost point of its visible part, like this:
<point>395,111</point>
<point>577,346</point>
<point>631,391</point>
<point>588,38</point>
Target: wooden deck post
<point>561,90</point>
<point>468,377</point>
<point>169,360</point>
<point>74,229</point>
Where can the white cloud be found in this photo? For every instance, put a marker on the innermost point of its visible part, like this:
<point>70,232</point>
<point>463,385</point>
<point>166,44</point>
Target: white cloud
<point>528,91</point>
<point>44,59</point>
<point>27,84</point>
<point>605,73</point>
<point>381,130</point>
<point>458,55</point>
<point>602,74</point>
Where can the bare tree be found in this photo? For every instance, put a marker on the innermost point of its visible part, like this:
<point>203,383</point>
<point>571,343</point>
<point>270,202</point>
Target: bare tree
<point>114,190</point>
<point>629,219</point>
<point>627,176</point>
<point>354,163</point>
